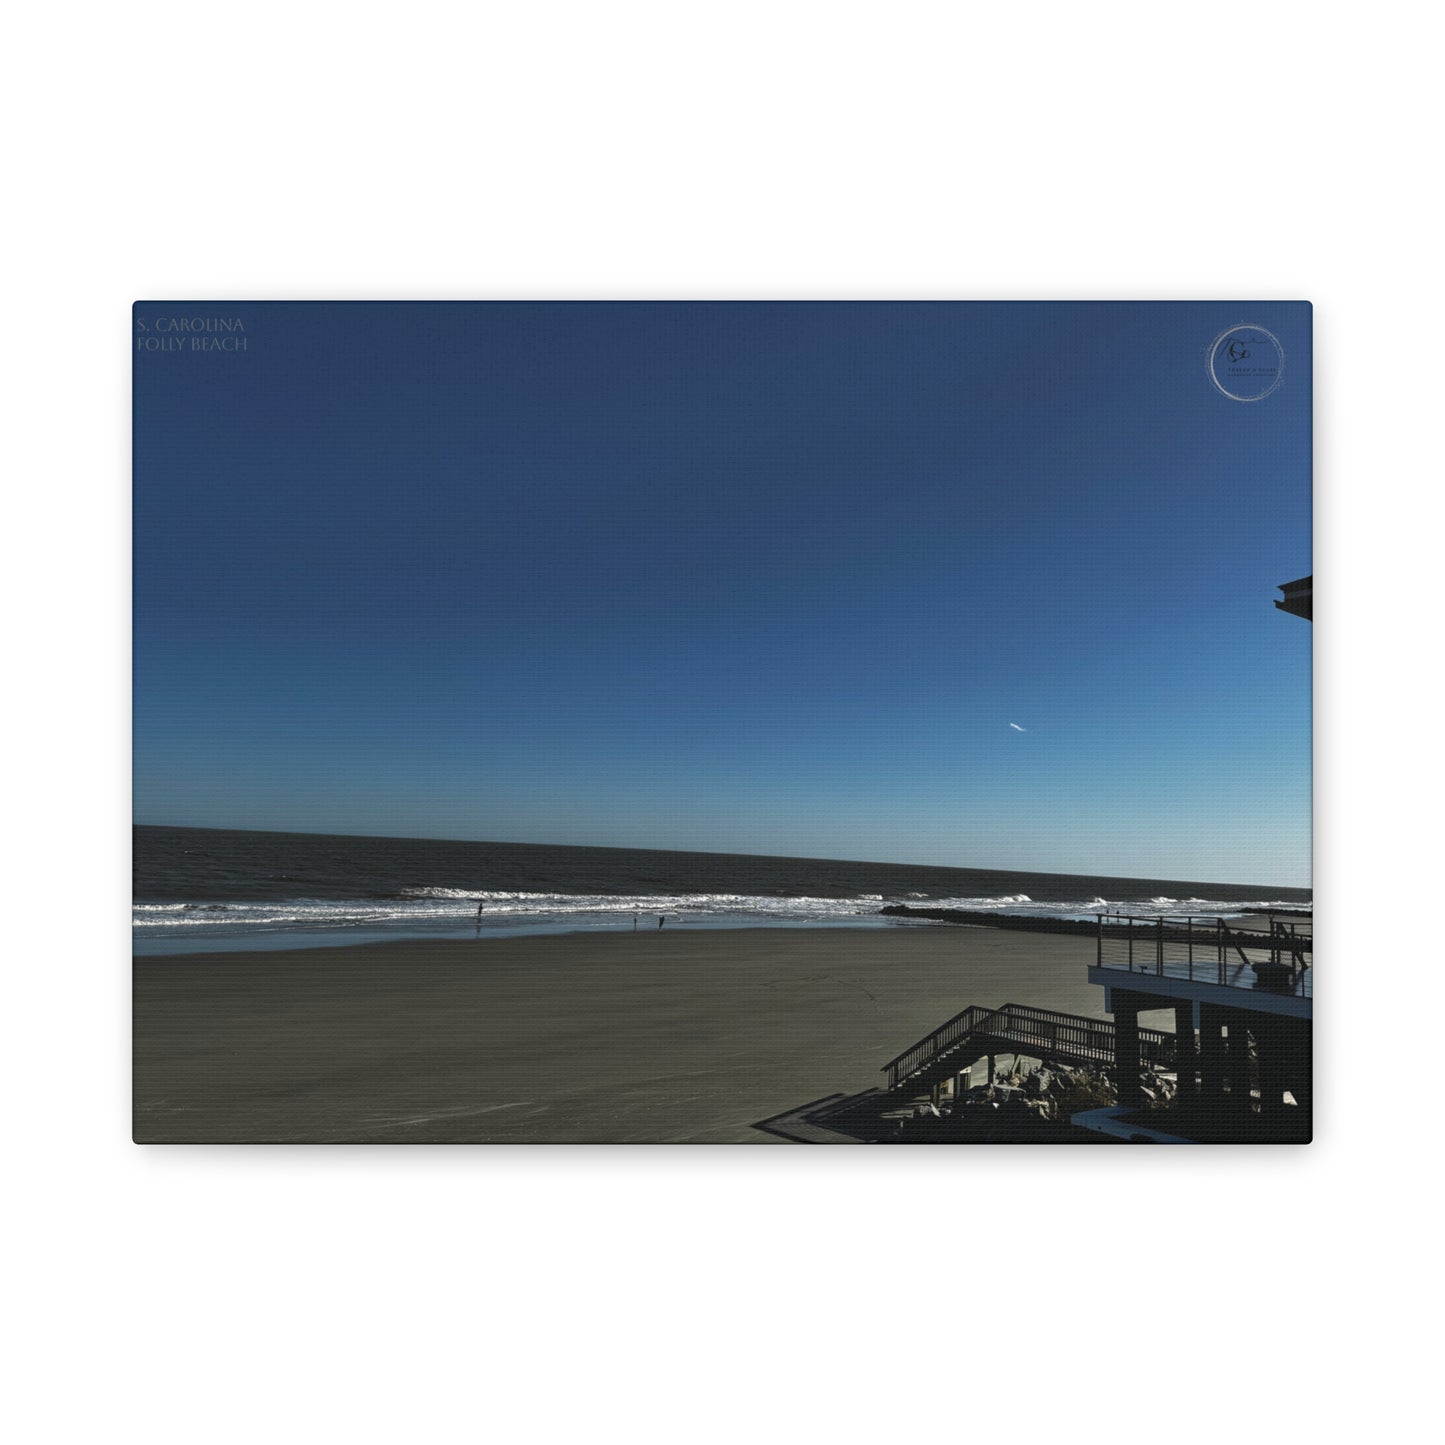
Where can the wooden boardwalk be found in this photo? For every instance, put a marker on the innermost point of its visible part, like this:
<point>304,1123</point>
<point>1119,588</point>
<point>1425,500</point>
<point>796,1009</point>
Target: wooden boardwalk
<point>1016,1029</point>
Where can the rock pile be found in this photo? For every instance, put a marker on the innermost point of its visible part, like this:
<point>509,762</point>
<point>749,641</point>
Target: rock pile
<point>1026,1106</point>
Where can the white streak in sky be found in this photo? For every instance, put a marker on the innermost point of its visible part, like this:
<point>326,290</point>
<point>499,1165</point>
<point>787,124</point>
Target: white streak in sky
<point>1017,728</point>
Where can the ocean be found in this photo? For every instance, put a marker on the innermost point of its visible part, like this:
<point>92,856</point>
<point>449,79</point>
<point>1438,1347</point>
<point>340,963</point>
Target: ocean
<point>205,889</point>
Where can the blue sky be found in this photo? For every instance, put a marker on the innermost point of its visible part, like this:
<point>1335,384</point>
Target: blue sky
<point>738,577</point>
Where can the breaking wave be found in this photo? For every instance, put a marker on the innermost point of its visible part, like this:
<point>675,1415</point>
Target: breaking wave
<point>455,912</point>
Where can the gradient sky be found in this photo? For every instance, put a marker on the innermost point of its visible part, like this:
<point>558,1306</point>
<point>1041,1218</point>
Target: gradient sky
<point>748,578</point>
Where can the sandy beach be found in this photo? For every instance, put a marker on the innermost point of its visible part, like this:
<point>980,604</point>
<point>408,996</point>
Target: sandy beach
<point>663,1037</point>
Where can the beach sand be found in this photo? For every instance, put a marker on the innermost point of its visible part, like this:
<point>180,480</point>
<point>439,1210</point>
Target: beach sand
<point>662,1037</point>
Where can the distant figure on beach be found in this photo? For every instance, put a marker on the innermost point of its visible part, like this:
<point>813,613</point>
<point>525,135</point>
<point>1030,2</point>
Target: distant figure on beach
<point>480,905</point>
<point>659,920</point>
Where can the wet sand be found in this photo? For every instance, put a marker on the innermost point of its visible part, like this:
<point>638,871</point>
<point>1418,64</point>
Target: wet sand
<point>663,1037</point>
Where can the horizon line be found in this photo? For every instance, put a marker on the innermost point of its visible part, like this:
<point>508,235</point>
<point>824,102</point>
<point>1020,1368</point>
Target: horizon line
<point>719,853</point>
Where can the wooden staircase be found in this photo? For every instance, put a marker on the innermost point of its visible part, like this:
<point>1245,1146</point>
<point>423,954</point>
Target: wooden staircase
<point>1016,1029</point>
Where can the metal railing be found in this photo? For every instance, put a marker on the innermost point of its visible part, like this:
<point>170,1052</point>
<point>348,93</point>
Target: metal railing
<point>1207,950</point>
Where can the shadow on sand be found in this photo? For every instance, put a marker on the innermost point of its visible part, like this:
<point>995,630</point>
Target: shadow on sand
<point>876,1117</point>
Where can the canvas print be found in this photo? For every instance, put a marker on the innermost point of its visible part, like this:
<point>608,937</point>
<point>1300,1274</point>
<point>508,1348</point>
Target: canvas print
<point>722,722</point>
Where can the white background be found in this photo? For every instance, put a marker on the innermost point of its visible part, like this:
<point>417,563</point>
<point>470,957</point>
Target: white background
<point>747,150</point>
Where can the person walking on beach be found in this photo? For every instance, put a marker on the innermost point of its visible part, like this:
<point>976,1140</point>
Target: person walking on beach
<point>481,904</point>
<point>660,920</point>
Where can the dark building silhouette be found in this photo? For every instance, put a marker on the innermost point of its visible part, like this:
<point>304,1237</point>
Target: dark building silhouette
<point>1298,598</point>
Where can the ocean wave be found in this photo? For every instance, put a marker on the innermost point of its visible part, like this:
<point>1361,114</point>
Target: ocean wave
<point>454,911</point>
<point>453,906</point>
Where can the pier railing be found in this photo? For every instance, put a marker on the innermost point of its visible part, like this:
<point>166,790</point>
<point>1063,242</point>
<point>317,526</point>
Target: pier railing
<point>1275,949</point>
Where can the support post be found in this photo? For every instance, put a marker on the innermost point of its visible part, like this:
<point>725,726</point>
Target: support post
<point>1126,1050</point>
<point>1184,1060</point>
<point>1272,1072</point>
<point>1211,1055</point>
<point>1240,1098</point>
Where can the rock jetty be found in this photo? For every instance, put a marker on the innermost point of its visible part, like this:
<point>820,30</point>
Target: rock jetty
<point>981,918</point>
